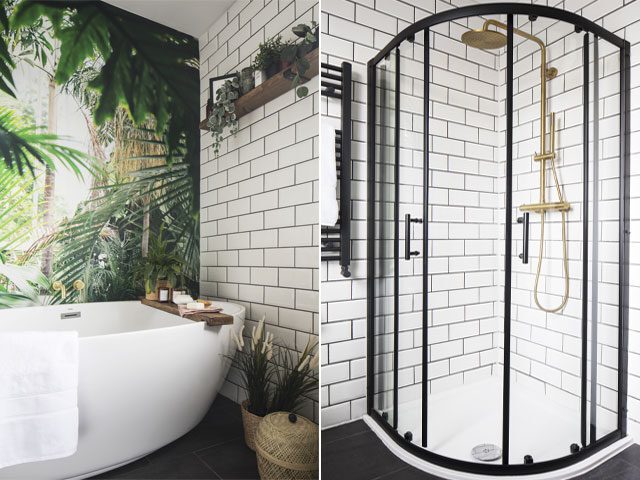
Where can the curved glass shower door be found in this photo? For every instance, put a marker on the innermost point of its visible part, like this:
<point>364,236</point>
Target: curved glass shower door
<point>498,218</point>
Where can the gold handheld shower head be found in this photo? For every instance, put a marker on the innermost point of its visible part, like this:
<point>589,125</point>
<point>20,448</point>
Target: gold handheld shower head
<point>484,39</point>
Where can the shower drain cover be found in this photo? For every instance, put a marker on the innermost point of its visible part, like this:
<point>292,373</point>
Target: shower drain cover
<point>486,452</point>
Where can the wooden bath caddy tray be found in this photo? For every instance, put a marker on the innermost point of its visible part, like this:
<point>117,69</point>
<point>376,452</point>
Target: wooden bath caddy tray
<point>211,319</point>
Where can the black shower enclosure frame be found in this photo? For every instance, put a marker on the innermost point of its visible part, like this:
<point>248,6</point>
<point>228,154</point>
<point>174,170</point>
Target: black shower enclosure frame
<point>590,444</point>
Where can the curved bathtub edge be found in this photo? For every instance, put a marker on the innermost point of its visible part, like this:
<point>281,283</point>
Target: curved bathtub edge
<point>572,471</point>
<point>107,469</point>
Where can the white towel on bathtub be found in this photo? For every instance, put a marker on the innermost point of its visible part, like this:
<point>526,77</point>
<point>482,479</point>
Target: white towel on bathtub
<point>38,396</point>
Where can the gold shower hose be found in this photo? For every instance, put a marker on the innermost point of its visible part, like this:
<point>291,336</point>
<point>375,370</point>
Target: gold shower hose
<point>565,258</point>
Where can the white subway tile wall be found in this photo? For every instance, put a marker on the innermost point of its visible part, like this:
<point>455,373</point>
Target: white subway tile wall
<point>468,93</point>
<point>258,200</point>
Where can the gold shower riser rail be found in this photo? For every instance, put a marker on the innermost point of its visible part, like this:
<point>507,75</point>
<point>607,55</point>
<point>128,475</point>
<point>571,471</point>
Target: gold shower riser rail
<point>546,207</point>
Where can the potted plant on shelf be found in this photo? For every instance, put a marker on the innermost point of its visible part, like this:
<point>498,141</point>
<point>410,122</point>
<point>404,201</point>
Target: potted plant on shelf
<point>254,363</point>
<point>223,112</point>
<point>268,57</point>
<point>160,268</point>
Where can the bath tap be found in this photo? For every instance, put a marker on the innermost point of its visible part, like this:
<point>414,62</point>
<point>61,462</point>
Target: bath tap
<point>79,286</point>
<point>58,286</point>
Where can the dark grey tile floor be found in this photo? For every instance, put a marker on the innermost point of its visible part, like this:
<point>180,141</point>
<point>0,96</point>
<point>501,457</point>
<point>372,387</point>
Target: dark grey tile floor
<point>354,452</point>
<point>214,449</point>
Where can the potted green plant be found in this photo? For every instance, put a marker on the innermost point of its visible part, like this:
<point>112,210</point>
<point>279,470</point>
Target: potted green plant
<point>256,369</point>
<point>294,378</point>
<point>159,268</point>
<point>223,112</point>
<point>268,57</point>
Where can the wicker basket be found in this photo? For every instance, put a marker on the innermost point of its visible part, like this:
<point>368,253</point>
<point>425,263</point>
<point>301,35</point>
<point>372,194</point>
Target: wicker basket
<point>250,423</point>
<point>287,447</point>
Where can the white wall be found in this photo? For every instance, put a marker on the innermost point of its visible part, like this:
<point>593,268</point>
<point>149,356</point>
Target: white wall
<point>343,301</point>
<point>259,197</point>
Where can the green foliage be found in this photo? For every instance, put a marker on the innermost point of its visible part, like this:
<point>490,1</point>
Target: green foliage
<point>18,213</point>
<point>294,54</point>
<point>147,68</point>
<point>119,205</point>
<point>21,145</point>
<point>256,369</point>
<point>110,275</point>
<point>268,53</point>
<point>6,62</point>
<point>223,113</point>
<point>160,264</point>
<point>295,378</point>
<point>20,285</point>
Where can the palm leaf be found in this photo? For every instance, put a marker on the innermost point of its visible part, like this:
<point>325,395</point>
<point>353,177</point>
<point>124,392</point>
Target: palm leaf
<point>148,68</point>
<point>22,145</point>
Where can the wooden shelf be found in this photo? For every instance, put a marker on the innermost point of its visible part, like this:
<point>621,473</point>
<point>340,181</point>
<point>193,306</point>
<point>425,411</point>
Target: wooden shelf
<point>211,319</point>
<point>270,89</point>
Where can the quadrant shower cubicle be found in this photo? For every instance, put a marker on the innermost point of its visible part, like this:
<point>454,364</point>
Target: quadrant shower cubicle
<point>498,229</point>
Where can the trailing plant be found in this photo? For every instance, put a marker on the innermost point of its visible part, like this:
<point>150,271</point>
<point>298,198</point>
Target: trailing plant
<point>295,54</point>
<point>223,114</point>
<point>256,369</point>
<point>295,378</point>
<point>308,33</point>
<point>268,53</point>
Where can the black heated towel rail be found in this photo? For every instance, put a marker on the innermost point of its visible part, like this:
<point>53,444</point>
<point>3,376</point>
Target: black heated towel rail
<point>335,242</point>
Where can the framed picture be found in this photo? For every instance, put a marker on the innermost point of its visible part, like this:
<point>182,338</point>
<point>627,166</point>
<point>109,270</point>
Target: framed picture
<point>214,85</point>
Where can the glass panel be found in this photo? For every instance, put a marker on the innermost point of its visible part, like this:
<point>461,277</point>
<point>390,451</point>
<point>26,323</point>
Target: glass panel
<point>384,236</point>
<point>466,215</point>
<point>411,162</point>
<point>546,292</point>
<point>604,211</point>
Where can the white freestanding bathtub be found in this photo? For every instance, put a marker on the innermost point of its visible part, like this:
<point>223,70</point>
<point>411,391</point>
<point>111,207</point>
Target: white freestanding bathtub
<point>146,378</point>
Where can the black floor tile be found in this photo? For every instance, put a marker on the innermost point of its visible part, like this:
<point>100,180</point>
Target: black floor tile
<point>614,469</point>
<point>222,423</point>
<point>231,460</point>
<point>183,467</point>
<point>353,451</point>
<point>220,439</point>
<point>360,456</point>
<point>343,431</point>
<point>409,473</point>
<point>142,462</point>
<point>631,455</point>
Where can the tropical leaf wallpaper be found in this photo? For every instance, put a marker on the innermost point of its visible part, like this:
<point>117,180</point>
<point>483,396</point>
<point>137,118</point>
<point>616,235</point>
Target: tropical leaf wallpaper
<point>99,152</point>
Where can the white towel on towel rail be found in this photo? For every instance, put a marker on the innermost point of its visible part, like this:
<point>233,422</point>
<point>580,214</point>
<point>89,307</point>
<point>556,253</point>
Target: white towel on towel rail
<point>38,396</point>
<point>329,209</point>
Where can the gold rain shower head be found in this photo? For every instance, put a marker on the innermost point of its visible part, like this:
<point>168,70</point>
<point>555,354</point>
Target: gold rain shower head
<point>484,39</point>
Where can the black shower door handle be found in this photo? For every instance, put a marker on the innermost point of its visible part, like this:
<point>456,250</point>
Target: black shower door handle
<point>524,220</point>
<point>407,236</point>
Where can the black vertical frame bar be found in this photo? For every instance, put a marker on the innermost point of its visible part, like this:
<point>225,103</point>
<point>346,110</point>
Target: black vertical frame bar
<point>595,239</point>
<point>585,238</point>
<point>623,320</point>
<point>371,230</point>
<point>345,172</point>
<point>425,244</point>
<point>506,377</point>
<point>396,237</point>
